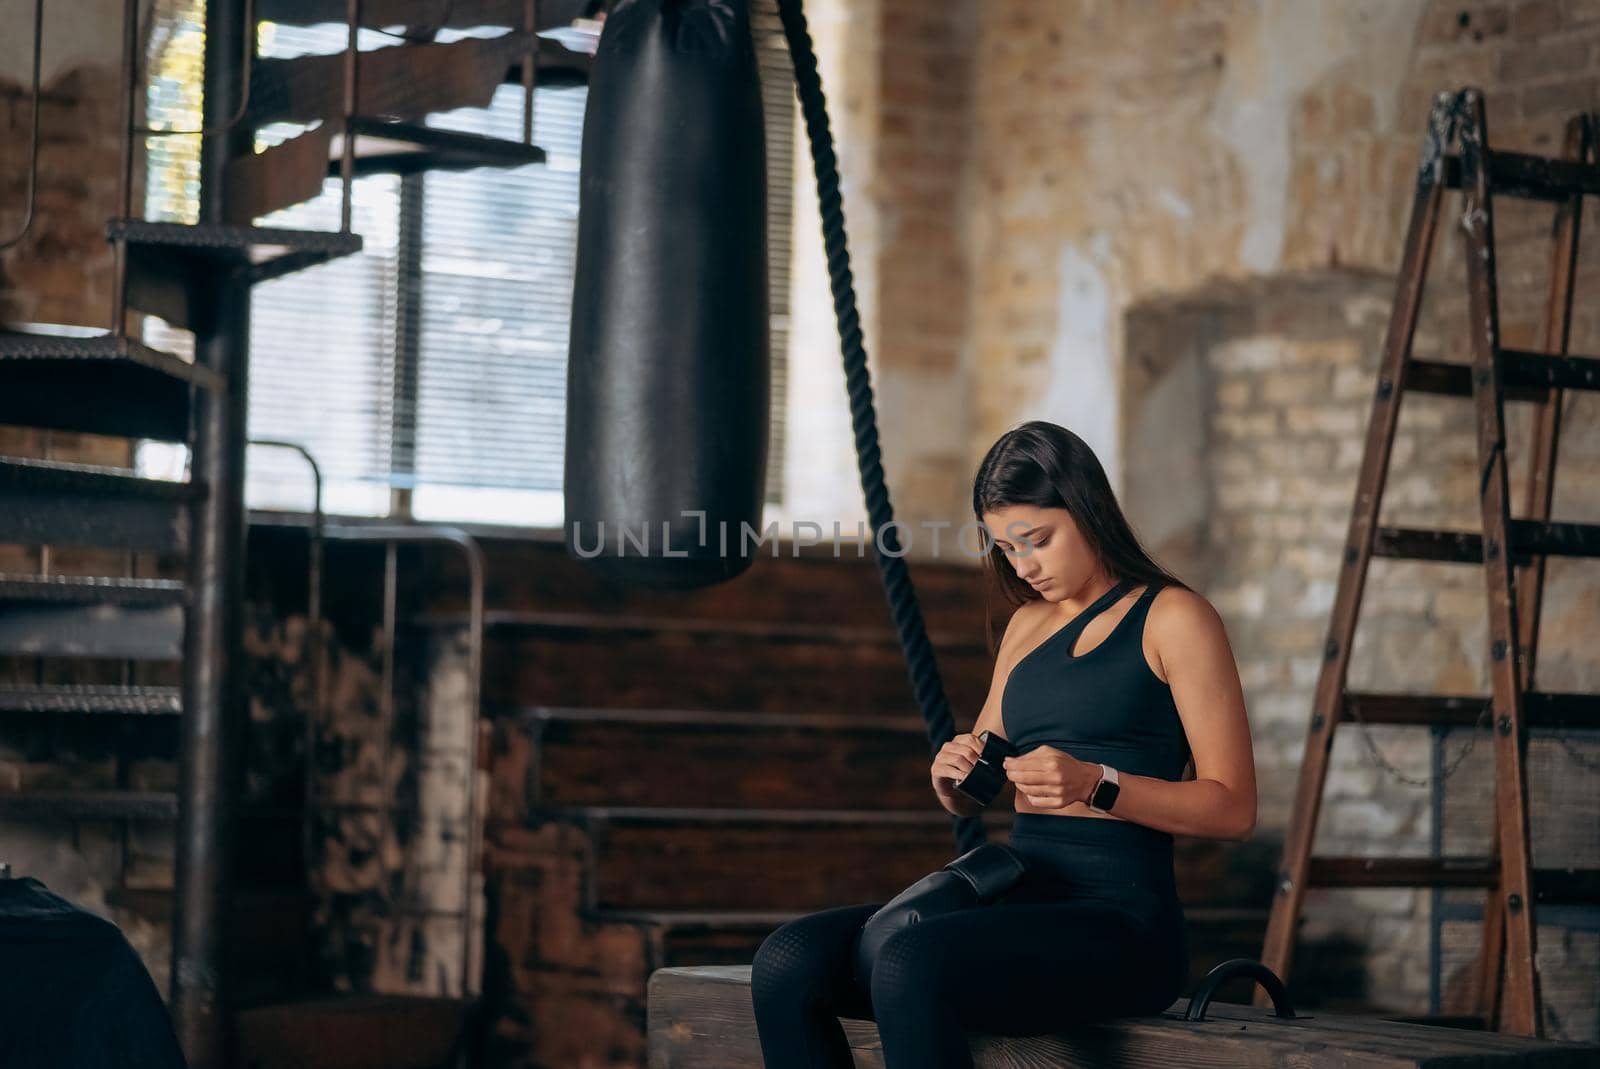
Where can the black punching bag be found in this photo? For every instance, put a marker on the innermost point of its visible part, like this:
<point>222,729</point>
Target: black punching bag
<point>668,370</point>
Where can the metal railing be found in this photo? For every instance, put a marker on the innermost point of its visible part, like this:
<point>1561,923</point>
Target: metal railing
<point>392,537</point>
<point>33,152</point>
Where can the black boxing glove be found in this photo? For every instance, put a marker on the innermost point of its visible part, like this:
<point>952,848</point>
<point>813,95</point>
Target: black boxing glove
<point>976,878</point>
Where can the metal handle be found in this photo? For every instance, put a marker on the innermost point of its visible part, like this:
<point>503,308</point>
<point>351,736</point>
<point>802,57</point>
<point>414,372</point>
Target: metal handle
<point>1227,971</point>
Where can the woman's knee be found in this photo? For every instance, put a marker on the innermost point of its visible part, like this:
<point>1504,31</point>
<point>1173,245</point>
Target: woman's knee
<point>908,968</point>
<point>793,960</point>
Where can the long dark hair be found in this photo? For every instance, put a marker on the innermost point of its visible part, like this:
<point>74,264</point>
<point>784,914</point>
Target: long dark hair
<point>1047,466</point>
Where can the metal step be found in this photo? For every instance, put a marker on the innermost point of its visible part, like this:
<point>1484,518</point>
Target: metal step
<point>384,147</point>
<point>92,700</point>
<point>1528,538</point>
<point>53,503</point>
<point>1516,174</point>
<point>293,171</point>
<point>90,805</point>
<point>70,379</point>
<point>171,266</point>
<point>62,616</point>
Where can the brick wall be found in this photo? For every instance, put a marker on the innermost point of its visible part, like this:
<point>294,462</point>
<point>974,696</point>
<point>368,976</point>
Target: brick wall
<point>1172,226</point>
<point>899,77</point>
<point>61,271</point>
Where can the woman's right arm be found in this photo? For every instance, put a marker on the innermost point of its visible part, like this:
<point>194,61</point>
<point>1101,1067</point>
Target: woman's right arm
<point>956,758</point>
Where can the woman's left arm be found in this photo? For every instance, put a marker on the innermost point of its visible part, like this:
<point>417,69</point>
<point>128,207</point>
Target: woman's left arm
<point>1220,802</point>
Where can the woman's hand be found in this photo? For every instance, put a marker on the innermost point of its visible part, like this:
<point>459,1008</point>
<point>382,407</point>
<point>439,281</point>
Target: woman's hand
<point>1050,778</point>
<point>953,761</point>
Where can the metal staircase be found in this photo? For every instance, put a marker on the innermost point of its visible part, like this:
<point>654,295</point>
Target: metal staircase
<point>370,109</point>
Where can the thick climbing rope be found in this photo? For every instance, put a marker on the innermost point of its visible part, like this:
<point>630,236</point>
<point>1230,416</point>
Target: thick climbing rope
<point>926,683</point>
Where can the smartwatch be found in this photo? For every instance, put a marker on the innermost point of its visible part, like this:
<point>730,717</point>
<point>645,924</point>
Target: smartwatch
<point>1104,795</point>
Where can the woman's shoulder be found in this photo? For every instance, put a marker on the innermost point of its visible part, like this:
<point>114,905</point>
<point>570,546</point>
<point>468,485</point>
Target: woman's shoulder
<point>1179,606</point>
<point>1180,615</point>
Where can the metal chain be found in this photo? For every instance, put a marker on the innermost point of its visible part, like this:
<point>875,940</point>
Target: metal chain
<point>1384,763</point>
<point>1578,758</point>
<point>1389,767</point>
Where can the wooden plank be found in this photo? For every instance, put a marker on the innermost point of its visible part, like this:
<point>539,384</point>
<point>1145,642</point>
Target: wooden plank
<point>702,1017</point>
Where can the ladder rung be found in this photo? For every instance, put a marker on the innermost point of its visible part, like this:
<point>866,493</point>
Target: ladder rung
<point>1413,543</point>
<point>1440,377</point>
<point>1555,539</point>
<point>1525,376</point>
<point>1550,885</point>
<point>1543,371</point>
<point>1540,709</point>
<point>1517,174</point>
<point>1528,538</point>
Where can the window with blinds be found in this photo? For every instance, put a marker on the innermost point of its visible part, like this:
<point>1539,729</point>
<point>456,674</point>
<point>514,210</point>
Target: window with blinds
<point>434,362</point>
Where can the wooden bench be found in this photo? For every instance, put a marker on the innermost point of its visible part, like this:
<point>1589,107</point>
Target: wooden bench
<point>700,1017</point>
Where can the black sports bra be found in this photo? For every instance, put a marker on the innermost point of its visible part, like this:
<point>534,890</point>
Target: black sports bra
<point>1103,705</point>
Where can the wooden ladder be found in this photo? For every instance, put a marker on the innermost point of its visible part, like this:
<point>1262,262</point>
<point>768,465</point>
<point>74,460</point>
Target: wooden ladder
<point>1496,374</point>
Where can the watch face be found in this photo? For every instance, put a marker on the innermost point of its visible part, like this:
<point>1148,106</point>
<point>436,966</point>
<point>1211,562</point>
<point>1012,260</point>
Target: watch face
<point>1106,795</point>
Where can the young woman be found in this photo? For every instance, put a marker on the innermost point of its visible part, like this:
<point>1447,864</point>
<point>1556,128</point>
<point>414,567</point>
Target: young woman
<point>1110,669</point>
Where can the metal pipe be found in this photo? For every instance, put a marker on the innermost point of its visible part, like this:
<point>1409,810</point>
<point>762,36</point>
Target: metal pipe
<point>33,155</point>
<point>473,553</point>
<point>530,25</point>
<point>130,88</point>
<point>213,647</point>
<point>347,158</point>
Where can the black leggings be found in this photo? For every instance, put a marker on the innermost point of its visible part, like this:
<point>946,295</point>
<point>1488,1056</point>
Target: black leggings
<point>1094,930</point>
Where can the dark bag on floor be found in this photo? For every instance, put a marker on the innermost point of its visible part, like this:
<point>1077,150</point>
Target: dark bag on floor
<point>73,993</point>
<point>976,878</point>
